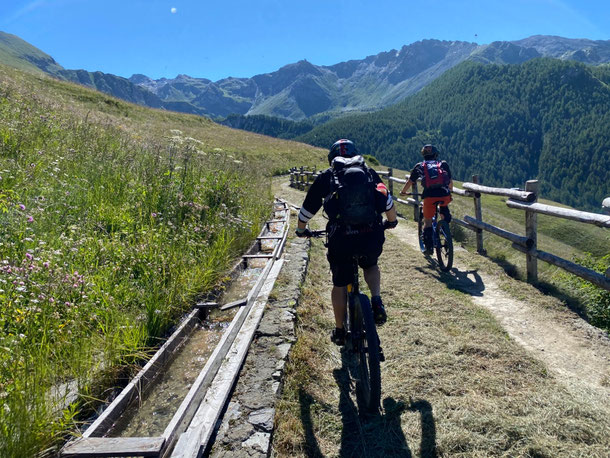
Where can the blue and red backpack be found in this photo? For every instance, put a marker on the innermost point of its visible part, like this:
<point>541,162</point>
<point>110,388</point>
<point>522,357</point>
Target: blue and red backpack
<point>434,176</point>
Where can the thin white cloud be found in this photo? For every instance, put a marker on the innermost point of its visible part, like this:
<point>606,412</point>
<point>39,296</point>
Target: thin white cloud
<point>32,6</point>
<point>575,14</point>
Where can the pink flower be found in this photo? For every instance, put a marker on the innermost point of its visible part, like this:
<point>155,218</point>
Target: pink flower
<point>30,219</point>
<point>46,264</point>
<point>21,207</point>
<point>29,256</point>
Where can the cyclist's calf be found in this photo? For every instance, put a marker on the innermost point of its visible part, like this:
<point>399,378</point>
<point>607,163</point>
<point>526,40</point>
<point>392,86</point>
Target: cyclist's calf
<point>446,213</point>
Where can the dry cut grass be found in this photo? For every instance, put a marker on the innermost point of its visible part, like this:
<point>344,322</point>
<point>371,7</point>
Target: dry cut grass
<point>454,383</point>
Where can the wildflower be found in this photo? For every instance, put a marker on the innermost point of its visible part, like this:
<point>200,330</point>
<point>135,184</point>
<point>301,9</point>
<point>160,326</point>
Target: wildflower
<point>21,207</point>
<point>29,256</point>
<point>45,264</point>
<point>30,219</point>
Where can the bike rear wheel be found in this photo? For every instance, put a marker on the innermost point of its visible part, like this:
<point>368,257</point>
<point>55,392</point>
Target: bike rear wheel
<point>368,384</point>
<point>444,247</point>
<point>420,230</point>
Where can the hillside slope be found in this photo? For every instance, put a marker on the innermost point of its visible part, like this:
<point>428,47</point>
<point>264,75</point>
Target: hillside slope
<point>114,220</point>
<point>544,119</point>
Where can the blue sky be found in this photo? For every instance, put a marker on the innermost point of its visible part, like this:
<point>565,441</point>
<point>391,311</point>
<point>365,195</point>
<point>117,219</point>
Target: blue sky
<point>215,39</point>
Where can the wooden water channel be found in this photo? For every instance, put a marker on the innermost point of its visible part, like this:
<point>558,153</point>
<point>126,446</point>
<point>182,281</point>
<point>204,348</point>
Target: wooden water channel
<point>189,431</point>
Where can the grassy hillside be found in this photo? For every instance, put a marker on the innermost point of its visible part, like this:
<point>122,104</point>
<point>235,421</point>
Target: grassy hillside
<point>113,219</point>
<point>544,119</point>
<point>19,54</point>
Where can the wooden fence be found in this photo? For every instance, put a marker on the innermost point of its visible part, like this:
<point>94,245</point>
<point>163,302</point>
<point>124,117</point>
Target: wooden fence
<point>526,200</point>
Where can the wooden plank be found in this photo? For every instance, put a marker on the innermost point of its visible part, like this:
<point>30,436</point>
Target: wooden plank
<point>206,305</point>
<point>196,438</point>
<point>590,275</point>
<point>397,180</point>
<point>515,238</point>
<point>513,193</point>
<point>114,446</point>
<point>459,222</point>
<point>236,303</point>
<point>566,213</point>
<point>462,192</point>
<point>198,390</point>
<point>140,382</point>
<point>279,248</point>
<point>270,237</point>
<point>256,256</point>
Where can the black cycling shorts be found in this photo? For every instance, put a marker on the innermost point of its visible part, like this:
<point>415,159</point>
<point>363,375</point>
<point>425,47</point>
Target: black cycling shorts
<point>341,249</point>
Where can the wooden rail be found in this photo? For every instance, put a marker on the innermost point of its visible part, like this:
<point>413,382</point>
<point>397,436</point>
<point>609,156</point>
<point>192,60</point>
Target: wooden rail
<point>526,200</point>
<point>234,340</point>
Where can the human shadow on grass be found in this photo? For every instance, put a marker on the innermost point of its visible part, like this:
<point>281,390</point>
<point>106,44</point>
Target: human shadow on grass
<point>312,449</point>
<point>364,434</point>
<point>428,428</point>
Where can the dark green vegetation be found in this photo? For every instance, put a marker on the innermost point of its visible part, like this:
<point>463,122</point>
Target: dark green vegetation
<point>113,219</point>
<point>544,119</point>
<point>268,125</point>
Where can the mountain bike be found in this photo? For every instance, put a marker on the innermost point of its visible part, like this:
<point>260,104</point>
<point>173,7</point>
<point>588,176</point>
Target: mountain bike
<point>441,236</point>
<point>362,341</point>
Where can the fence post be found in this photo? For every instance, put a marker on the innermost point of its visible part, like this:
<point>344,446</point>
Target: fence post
<point>292,171</point>
<point>416,198</point>
<point>478,214</point>
<point>531,222</point>
<point>302,179</point>
<point>390,182</point>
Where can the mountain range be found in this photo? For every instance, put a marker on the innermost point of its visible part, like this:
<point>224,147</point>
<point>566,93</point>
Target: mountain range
<point>304,91</point>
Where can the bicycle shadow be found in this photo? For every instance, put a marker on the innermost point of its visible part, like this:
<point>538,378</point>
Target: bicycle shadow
<point>456,279</point>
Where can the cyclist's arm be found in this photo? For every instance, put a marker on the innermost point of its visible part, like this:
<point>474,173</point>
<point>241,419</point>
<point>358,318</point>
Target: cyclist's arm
<point>391,214</point>
<point>412,179</point>
<point>446,167</point>
<point>406,187</point>
<point>313,200</point>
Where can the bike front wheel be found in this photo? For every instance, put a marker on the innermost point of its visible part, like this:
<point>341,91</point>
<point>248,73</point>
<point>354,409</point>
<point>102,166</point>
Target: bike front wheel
<point>444,246</point>
<point>368,385</point>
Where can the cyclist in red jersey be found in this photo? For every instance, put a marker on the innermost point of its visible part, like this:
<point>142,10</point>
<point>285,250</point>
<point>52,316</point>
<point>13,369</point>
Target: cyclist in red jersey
<point>437,183</point>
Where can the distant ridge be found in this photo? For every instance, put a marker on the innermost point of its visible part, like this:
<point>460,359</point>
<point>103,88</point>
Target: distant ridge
<point>305,91</point>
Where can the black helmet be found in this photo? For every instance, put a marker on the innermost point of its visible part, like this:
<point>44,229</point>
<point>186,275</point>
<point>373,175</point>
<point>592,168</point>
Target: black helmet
<point>344,148</point>
<point>429,150</point>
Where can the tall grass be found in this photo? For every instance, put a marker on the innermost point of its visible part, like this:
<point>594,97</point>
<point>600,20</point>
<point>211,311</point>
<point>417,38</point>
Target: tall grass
<point>105,239</point>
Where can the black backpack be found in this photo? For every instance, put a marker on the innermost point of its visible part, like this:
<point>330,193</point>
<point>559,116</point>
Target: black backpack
<point>352,192</point>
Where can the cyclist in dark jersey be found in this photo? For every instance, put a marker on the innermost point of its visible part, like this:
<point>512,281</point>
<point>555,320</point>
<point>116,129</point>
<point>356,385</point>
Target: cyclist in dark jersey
<point>345,241</point>
<point>431,195</point>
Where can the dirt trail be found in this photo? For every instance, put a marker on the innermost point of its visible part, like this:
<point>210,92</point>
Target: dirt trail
<point>576,353</point>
